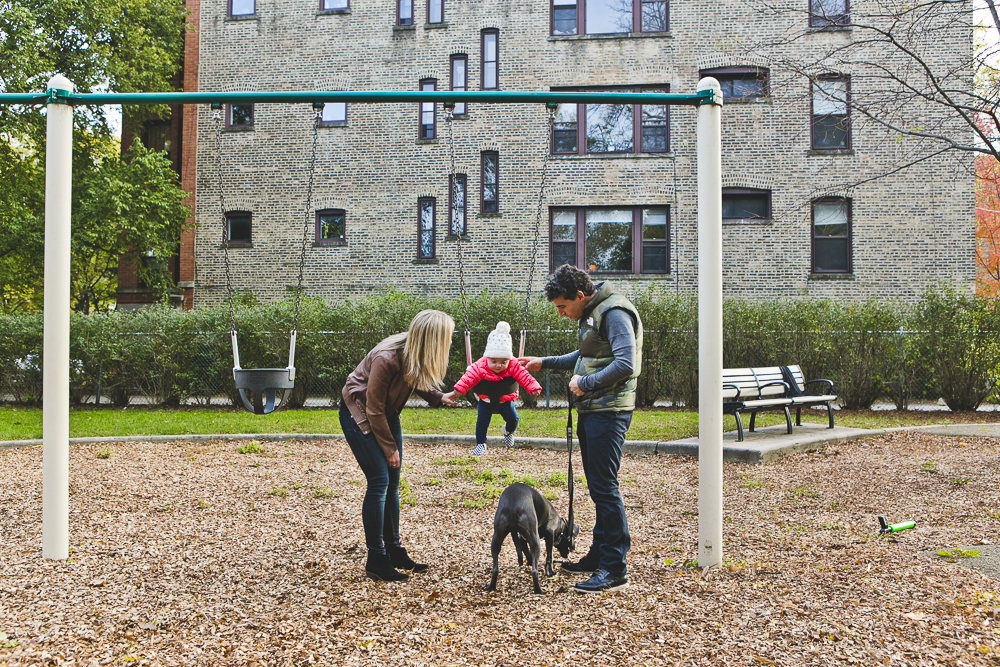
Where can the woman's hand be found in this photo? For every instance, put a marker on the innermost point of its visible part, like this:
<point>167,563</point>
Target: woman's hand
<point>393,460</point>
<point>449,399</point>
<point>574,385</point>
<point>530,363</point>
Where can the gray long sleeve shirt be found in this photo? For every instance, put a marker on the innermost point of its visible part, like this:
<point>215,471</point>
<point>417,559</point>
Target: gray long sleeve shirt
<point>619,328</point>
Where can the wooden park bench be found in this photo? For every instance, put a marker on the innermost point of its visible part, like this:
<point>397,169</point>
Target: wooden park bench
<point>800,398</point>
<point>770,388</point>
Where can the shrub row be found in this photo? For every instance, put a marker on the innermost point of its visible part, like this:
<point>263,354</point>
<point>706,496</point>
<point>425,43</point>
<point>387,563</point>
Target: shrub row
<point>943,346</point>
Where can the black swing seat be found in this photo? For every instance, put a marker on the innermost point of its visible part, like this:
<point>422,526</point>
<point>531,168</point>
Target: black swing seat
<point>494,390</point>
<point>259,388</point>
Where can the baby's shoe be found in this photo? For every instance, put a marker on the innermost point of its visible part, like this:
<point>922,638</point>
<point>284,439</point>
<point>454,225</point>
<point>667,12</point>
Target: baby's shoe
<point>508,438</point>
<point>480,449</point>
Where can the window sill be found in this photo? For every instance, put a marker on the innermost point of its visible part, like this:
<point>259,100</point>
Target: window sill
<point>460,116</point>
<point>424,142</point>
<point>830,151</point>
<point>829,28</point>
<point>831,276</point>
<point>489,215</point>
<point>236,244</point>
<point>404,28</point>
<point>610,156</point>
<point>185,284</point>
<point>747,222</point>
<point>428,260</point>
<point>747,100</point>
<point>335,123</point>
<point>331,12</point>
<point>329,244</point>
<point>244,17</point>
<point>435,26</point>
<point>239,128</point>
<point>453,237</point>
<point>616,35</point>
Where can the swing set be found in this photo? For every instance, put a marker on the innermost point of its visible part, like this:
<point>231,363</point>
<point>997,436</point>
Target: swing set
<point>262,390</point>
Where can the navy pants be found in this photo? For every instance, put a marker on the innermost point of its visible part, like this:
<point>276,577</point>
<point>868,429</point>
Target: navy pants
<point>485,415</point>
<point>602,435</point>
<point>380,509</point>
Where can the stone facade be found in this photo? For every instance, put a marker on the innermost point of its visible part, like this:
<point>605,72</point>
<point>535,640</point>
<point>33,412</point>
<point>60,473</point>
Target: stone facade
<point>909,228</point>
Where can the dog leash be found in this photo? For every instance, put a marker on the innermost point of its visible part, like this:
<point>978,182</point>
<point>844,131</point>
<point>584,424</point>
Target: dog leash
<point>569,448</point>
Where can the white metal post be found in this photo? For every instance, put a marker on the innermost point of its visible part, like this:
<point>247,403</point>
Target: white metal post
<point>710,327</point>
<point>56,310</point>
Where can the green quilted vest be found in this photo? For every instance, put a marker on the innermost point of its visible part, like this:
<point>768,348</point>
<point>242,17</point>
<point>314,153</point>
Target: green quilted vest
<point>595,354</point>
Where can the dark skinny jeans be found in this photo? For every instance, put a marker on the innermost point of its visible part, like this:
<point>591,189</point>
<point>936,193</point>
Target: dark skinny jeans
<point>485,415</point>
<point>380,510</point>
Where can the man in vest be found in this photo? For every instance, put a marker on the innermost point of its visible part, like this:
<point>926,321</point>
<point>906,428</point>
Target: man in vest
<point>605,369</point>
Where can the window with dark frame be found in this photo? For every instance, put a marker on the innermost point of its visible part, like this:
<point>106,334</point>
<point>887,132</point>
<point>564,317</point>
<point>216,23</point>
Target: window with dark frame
<point>628,239</point>
<point>490,181</point>
<point>425,228</point>
<point>435,11</point>
<point>612,128</point>
<point>242,7</point>
<point>460,81</point>
<point>457,198</point>
<point>404,12</point>
<point>490,65</point>
<point>334,4</point>
<point>330,225</point>
<point>826,13</point>
<point>831,235</point>
<point>428,112</point>
<point>334,113</point>
<point>740,84</point>
<point>746,204</point>
<point>239,115</point>
<point>831,113</point>
<point>156,136</point>
<point>604,17</point>
<point>238,227</point>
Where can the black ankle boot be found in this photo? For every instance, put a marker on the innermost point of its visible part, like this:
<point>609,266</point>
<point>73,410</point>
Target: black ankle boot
<point>379,567</point>
<point>402,561</point>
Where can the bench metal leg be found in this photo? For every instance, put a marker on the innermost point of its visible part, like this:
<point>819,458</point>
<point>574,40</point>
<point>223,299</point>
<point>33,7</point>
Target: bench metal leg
<point>788,420</point>
<point>829,411</point>
<point>798,416</point>
<point>753,418</point>
<point>739,427</point>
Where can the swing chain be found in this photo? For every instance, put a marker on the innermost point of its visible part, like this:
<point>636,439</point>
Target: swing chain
<point>450,108</point>
<point>217,116</point>
<point>551,107</point>
<point>318,118</point>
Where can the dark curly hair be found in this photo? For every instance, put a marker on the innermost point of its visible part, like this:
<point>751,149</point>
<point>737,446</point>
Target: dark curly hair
<point>566,281</point>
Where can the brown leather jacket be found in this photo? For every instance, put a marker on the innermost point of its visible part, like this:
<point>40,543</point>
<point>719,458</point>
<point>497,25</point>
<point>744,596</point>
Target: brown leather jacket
<point>378,387</point>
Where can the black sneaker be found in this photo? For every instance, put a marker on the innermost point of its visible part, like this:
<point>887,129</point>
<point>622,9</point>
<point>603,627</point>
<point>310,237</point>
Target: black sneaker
<point>602,582</point>
<point>585,565</point>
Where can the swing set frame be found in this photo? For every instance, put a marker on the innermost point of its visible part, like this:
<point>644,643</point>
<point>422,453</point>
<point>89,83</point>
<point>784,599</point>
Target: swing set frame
<point>59,100</point>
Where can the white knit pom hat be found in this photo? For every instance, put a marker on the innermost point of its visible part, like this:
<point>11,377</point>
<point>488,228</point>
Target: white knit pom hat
<point>498,343</point>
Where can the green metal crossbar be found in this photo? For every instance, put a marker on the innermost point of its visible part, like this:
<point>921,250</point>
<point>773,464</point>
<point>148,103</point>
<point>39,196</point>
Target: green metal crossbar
<point>56,96</point>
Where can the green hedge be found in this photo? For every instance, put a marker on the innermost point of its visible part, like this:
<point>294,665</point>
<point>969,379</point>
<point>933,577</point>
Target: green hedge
<point>943,346</point>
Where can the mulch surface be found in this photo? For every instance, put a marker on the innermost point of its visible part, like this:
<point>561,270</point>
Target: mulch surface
<point>187,554</point>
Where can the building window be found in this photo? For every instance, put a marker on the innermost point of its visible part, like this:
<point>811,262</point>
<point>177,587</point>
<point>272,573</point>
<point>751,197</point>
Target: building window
<point>334,113</point>
<point>740,84</point>
<point>460,81</point>
<point>428,112</point>
<point>612,128</point>
<point>603,17</point>
<point>458,188</point>
<point>242,7</point>
<point>239,115</point>
<point>330,225</point>
<point>490,59</point>
<point>831,115</point>
<point>238,226</point>
<point>746,204</point>
<point>156,136</point>
<point>425,228</point>
<point>334,4</point>
<point>831,235</point>
<point>824,13</point>
<point>435,11</point>
<point>490,176</point>
<point>404,12</point>
<point>611,240</point>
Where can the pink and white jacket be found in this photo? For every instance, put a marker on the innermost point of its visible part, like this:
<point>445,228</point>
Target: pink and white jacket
<point>480,370</point>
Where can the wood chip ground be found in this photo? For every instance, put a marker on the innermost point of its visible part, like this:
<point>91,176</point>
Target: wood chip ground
<point>189,554</point>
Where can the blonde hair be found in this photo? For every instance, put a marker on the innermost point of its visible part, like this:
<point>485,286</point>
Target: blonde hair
<point>425,348</point>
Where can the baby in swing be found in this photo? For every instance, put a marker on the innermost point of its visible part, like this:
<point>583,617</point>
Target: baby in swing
<point>494,379</point>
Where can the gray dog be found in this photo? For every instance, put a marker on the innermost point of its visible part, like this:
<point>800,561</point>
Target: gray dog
<point>527,516</point>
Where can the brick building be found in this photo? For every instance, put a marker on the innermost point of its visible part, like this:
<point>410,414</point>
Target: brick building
<point>811,204</point>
